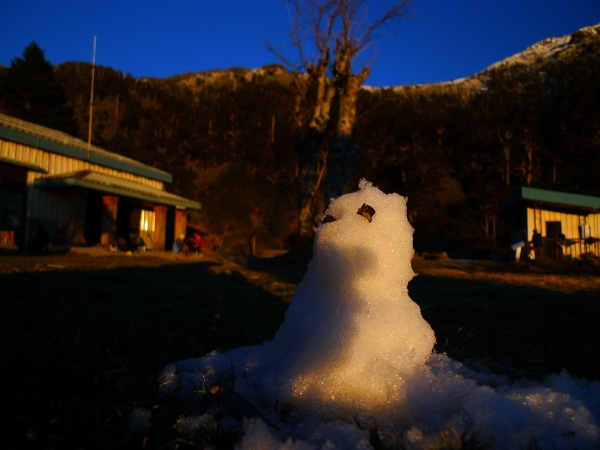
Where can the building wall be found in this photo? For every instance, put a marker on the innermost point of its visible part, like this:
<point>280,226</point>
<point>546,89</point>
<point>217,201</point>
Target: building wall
<point>60,213</point>
<point>146,221</point>
<point>56,164</point>
<point>570,223</point>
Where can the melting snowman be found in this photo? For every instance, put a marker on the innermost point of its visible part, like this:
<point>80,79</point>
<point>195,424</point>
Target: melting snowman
<point>354,345</point>
<point>352,336</point>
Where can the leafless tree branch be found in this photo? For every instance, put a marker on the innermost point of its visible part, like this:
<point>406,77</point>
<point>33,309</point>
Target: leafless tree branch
<point>327,36</point>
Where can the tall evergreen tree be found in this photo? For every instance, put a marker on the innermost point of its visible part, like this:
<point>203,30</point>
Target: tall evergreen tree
<point>31,92</point>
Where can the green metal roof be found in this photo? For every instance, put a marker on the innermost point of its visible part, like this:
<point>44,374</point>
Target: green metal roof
<point>54,141</point>
<point>116,186</point>
<point>28,166</point>
<point>556,198</point>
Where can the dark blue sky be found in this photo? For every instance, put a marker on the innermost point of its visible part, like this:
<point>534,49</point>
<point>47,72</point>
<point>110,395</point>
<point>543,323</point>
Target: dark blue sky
<point>444,40</point>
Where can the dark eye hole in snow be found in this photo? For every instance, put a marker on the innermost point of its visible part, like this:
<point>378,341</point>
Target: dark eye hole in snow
<point>366,211</point>
<point>328,218</point>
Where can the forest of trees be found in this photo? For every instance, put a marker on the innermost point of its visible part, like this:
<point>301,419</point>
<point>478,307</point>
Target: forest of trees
<point>456,150</point>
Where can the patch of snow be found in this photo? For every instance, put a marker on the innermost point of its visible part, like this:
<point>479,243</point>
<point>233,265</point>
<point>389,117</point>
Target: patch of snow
<point>545,49</point>
<point>355,354</point>
<point>139,419</point>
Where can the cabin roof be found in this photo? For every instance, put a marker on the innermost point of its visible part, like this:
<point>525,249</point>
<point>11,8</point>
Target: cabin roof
<point>24,165</point>
<point>37,136</point>
<point>88,179</point>
<point>584,203</point>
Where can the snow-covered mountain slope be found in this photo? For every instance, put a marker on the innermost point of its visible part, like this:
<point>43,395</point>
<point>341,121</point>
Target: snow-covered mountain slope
<point>553,49</point>
<point>581,43</point>
<point>584,42</point>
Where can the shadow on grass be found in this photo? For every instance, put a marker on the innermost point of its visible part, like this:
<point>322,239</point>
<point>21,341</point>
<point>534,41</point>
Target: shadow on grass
<point>16,252</point>
<point>290,267</point>
<point>81,347</point>
<point>83,339</point>
<point>516,330</point>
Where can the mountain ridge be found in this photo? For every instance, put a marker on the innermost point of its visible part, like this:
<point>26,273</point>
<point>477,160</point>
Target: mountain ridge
<point>537,55</point>
<point>552,48</point>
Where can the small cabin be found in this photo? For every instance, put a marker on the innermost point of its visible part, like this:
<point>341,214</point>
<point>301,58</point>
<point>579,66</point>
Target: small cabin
<point>57,190</point>
<point>569,224</point>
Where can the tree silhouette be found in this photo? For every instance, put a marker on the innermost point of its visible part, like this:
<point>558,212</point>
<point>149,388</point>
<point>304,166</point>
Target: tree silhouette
<point>31,92</point>
<point>328,36</point>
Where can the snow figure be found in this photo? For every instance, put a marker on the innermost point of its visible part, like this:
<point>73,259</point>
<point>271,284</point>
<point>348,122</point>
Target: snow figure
<point>352,335</point>
<point>354,354</point>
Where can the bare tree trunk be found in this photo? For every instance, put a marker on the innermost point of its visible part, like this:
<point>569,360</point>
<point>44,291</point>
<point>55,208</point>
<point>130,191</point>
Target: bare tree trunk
<point>529,163</point>
<point>342,162</point>
<point>311,169</point>
<point>344,156</point>
<point>505,137</point>
<point>507,165</point>
<point>338,26</point>
<point>272,128</point>
<point>312,158</point>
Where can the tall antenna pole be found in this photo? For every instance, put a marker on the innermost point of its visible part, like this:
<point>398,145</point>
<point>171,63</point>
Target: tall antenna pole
<point>92,97</point>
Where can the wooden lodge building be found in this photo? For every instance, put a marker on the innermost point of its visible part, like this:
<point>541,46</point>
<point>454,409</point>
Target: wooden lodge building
<point>55,188</point>
<point>569,224</point>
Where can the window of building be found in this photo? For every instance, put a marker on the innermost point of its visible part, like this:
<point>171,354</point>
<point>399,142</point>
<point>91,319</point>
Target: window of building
<point>147,221</point>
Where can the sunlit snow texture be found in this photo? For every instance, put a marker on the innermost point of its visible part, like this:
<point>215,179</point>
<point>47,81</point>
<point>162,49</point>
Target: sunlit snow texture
<point>352,335</point>
<point>355,350</point>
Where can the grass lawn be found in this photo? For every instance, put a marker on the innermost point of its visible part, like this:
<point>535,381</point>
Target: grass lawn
<point>83,338</point>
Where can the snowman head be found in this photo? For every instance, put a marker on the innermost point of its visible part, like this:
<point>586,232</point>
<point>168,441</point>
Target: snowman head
<point>365,235</point>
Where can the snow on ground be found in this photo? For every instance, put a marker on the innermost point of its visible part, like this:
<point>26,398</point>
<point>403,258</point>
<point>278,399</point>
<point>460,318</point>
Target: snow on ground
<point>354,353</point>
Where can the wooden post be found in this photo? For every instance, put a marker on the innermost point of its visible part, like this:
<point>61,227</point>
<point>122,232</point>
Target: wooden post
<point>161,227</point>
<point>110,204</point>
<point>273,128</point>
<point>180,222</point>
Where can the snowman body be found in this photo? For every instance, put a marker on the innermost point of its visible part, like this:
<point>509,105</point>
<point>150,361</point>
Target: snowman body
<point>352,336</point>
